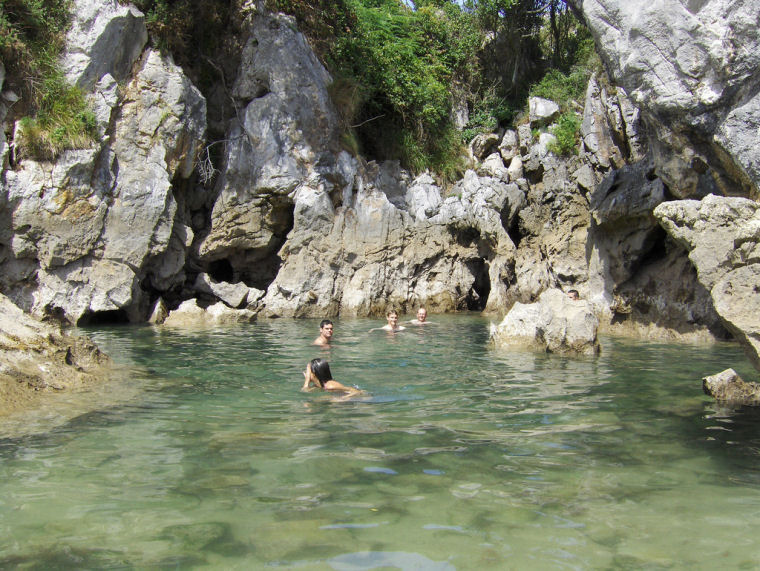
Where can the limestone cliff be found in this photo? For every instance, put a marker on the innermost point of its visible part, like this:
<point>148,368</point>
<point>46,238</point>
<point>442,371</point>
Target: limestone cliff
<point>286,223</point>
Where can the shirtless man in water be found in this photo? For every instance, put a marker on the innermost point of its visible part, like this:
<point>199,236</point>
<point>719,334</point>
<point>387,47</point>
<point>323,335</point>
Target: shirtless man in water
<point>421,317</point>
<point>325,333</point>
<point>392,317</point>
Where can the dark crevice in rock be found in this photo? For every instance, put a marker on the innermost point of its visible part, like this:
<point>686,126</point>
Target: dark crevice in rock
<point>477,297</point>
<point>513,230</point>
<point>658,250</point>
<point>464,236</point>
<point>221,271</point>
<point>104,317</point>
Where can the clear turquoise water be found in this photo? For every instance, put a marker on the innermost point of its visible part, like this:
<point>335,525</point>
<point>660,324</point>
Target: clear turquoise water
<point>206,455</point>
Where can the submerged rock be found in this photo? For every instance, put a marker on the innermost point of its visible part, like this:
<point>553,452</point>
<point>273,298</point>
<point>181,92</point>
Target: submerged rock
<point>555,324</point>
<point>728,387</point>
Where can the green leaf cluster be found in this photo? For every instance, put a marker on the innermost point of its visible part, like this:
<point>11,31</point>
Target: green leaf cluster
<point>566,131</point>
<point>63,121</point>
<point>402,64</point>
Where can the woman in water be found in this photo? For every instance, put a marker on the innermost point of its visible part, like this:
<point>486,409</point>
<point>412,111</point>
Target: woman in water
<point>318,373</point>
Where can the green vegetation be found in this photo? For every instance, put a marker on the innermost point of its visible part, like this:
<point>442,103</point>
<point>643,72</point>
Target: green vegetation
<point>31,38</point>
<point>400,67</point>
<point>402,64</point>
<point>566,131</point>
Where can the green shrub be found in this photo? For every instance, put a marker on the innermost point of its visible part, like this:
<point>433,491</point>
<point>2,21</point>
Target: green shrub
<point>566,131</point>
<point>31,39</point>
<point>488,113</point>
<point>63,121</point>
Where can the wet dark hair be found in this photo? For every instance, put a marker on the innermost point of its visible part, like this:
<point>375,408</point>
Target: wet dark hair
<point>321,370</point>
<point>325,322</point>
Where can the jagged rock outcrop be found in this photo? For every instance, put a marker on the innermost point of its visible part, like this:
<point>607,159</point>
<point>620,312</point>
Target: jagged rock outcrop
<point>729,388</point>
<point>105,38</point>
<point>295,226</point>
<point>284,142</point>
<point>554,323</point>
<point>89,229</point>
<point>37,357</point>
<point>722,237</point>
<point>693,68</point>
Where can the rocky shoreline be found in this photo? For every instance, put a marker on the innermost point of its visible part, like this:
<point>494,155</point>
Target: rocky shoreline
<point>38,358</point>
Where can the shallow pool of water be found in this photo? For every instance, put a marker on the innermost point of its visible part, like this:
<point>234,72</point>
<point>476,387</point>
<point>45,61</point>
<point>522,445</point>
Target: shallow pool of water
<point>206,454</point>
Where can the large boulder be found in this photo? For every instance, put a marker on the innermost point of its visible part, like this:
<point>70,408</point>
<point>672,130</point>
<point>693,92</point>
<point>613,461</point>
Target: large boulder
<point>555,323</point>
<point>693,68</point>
<point>722,237</point>
<point>37,357</point>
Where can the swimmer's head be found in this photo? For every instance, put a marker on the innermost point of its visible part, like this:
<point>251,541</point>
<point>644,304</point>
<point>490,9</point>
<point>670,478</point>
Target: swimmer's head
<point>321,370</point>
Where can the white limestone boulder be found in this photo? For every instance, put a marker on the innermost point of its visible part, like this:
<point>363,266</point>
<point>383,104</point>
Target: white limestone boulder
<point>554,323</point>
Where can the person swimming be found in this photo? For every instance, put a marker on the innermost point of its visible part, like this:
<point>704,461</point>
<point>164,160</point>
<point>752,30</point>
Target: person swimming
<point>318,374</point>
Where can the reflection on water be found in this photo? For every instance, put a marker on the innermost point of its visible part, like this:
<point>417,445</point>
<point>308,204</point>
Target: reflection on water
<point>205,453</point>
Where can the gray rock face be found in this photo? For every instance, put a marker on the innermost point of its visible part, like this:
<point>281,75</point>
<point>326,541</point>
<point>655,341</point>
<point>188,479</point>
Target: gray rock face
<point>693,68</point>
<point>624,228</point>
<point>90,227</point>
<point>542,111</point>
<point>287,139</point>
<point>294,226</point>
<point>555,324</point>
<point>722,237</point>
<point>729,388</point>
<point>105,38</point>
<point>190,314</point>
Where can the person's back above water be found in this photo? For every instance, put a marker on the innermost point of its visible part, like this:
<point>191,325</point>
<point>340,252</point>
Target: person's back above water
<point>318,374</point>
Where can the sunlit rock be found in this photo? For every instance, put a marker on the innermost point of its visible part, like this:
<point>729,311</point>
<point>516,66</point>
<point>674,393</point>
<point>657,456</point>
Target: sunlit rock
<point>105,37</point>
<point>99,221</point>
<point>509,146</point>
<point>722,237</point>
<point>692,68</point>
<point>728,387</point>
<point>39,357</point>
<point>190,314</point>
<point>542,111</point>
<point>555,324</point>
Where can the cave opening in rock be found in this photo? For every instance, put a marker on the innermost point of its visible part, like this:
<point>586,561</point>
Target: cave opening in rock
<point>259,267</point>
<point>110,317</point>
<point>221,271</point>
<point>477,297</point>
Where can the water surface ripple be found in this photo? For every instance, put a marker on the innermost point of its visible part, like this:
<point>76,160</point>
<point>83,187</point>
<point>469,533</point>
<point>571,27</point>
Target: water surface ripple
<point>206,454</point>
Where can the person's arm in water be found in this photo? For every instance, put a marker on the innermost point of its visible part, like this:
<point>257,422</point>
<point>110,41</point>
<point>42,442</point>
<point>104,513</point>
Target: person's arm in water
<point>307,380</point>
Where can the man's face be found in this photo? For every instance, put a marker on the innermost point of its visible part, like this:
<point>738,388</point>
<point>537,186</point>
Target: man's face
<point>393,319</point>
<point>327,331</point>
<point>421,315</point>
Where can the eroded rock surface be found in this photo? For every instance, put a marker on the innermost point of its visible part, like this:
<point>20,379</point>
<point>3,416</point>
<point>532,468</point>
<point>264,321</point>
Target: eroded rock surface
<point>37,357</point>
<point>554,323</point>
<point>693,68</point>
<point>729,388</point>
